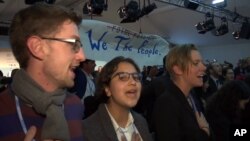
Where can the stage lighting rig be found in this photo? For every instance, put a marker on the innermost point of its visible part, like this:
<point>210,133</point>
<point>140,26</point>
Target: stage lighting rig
<point>95,7</point>
<point>223,29</point>
<point>147,9</point>
<point>206,25</point>
<point>236,35</point>
<point>130,12</point>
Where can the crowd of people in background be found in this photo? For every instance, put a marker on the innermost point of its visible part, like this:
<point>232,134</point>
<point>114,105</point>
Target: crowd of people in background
<point>222,98</point>
<point>57,95</point>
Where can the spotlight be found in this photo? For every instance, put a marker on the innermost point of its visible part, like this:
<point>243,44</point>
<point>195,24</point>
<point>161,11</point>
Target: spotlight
<point>122,12</point>
<point>129,13</point>
<point>223,29</point>
<point>245,30</point>
<point>148,9</point>
<point>235,16</point>
<point>35,1</point>
<point>94,7</point>
<point>208,25</point>
<point>201,28</point>
<point>236,35</point>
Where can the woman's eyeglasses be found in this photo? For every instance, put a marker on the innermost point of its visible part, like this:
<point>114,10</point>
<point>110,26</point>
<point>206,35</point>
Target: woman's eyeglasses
<point>124,76</point>
<point>75,43</point>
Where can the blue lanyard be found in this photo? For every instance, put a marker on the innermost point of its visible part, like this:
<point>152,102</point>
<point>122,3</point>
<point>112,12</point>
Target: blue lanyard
<point>20,116</point>
<point>193,103</point>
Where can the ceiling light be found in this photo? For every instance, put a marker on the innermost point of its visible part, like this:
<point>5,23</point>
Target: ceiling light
<point>147,9</point>
<point>130,12</point>
<point>236,35</point>
<point>245,30</point>
<point>207,25</point>
<point>201,28</point>
<point>191,4</point>
<point>95,7</point>
<point>223,29</point>
<point>122,12</point>
<point>219,3</point>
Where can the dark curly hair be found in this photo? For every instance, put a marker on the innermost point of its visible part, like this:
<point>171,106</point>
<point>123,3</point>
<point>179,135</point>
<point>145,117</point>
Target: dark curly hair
<point>104,77</point>
<point>227,98</point>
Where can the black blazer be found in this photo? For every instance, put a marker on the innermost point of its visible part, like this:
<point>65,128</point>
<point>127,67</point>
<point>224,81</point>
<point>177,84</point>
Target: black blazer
<point>212,87</point>
<point>149,94</point>
<point>99,127</point>
<point>80,83</point>
<point>174,119</point>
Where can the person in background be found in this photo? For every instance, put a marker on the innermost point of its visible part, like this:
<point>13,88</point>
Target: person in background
<point>2,85</point>
<point>96,73</point>
<point>118,91</point>
<point>88,67</point>
<point>150,93</point>
<point>227,74</point>
<point>7,80</point>
<point>215,80</point>
<point>245,119</point>
<point>175,115</point>
<point>45,41</point>
<point>240,69</point>
<point>84,86</point>
<point>151,75</point>
<point>224,108</point>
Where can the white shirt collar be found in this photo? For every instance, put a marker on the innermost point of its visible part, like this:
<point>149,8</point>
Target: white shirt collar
<point>129,129</point>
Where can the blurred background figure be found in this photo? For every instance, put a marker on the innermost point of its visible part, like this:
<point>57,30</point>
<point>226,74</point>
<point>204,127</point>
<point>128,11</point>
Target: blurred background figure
<point>2,86</point>
<point>227,74</point>
<point>84,86</point>
<point>224,109</point>
<point>214,72</point>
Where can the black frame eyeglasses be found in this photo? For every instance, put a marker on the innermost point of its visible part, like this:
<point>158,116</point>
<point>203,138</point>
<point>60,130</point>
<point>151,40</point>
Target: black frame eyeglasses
<point>75,43</point>
<point>125,76</point>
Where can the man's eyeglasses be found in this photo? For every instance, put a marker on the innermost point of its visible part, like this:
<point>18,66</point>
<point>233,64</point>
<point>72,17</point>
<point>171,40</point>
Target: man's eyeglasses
<point>124,76</point>
<point>75,43</point>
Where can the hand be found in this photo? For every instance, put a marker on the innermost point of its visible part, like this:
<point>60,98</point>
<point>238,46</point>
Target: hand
<point>203,124</point>
<point>31,134</point>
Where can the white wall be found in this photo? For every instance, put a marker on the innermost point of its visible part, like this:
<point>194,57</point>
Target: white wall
<point>231,53</point>
<point>7,60</point>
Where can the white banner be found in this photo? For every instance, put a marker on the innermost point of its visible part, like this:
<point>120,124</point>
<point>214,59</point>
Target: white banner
<point>104,41</point>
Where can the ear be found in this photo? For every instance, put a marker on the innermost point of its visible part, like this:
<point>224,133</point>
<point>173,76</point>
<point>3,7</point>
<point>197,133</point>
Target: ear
<point>177,70</point>
<point>107,90</point>
<point>35,47</point>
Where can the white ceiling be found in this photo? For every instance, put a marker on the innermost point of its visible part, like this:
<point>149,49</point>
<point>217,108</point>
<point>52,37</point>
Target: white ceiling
<point>173,23</point>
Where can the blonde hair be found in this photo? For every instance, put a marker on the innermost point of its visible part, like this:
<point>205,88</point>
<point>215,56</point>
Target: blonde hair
<point>180,56</point>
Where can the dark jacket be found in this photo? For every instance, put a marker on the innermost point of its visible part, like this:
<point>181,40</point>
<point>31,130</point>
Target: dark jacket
<point>174,119</point>
<point>99,127</point>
